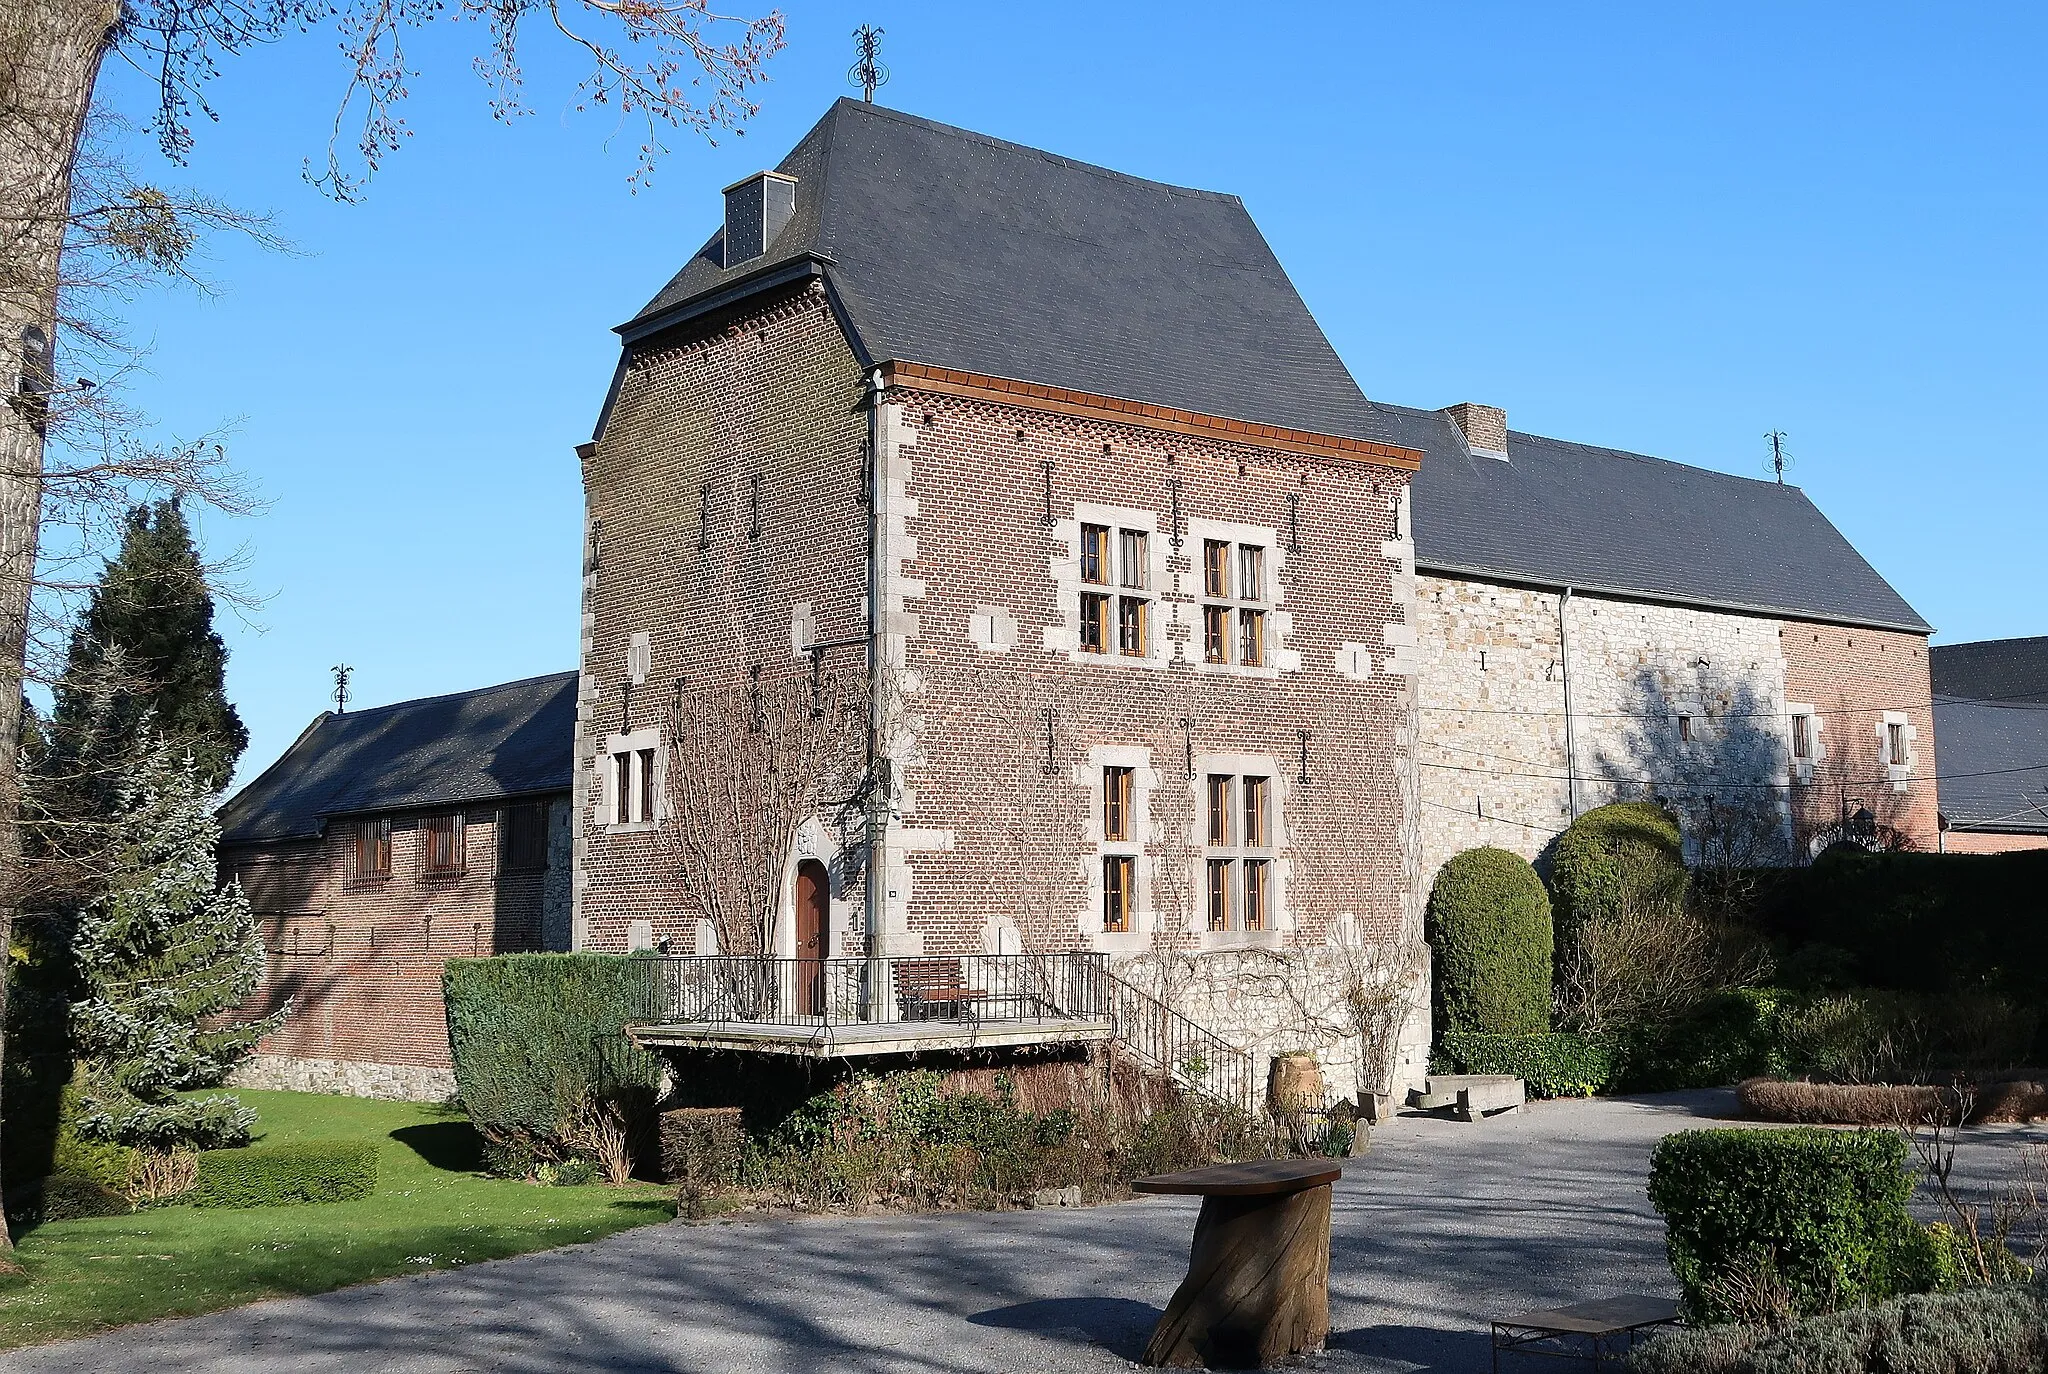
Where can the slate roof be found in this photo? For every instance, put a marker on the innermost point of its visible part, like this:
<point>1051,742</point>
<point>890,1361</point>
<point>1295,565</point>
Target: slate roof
<point>1604,520</point>
<point>958,250</point>
<point>1993,764</point>
<point>1992,670</point>
<point>950,248</point>
<point>515,739</point>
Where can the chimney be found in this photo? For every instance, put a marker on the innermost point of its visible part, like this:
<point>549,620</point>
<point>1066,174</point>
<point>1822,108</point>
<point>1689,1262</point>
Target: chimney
<point>755,211</point>
<point>1485,428</point>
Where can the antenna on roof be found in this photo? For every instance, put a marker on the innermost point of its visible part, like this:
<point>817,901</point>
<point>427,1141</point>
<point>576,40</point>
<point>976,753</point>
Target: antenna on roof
<point>342,673</point>
<point>868,73</point>
<point>1779,459</point>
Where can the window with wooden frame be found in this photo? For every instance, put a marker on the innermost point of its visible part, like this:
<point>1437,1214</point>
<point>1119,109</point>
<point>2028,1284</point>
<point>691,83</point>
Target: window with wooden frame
<point>523,837</point>
<point>1802,737</point>
<point>442,847</point>
<point>622,789</point>
<point>1120,621</point>
<point>1895,744</point>
<point>633,779</point>
<point>1235,601</point>
<point>1117,790</point>
<point>1119,887</point>
<point>643,789</point>
<point>369,851</point>
<point>1685,728</point>
<point>1238,851</point>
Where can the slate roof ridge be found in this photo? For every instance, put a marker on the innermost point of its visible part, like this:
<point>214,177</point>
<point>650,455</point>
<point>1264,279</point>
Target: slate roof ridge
<point>447,696</point>
<point>846,102</point>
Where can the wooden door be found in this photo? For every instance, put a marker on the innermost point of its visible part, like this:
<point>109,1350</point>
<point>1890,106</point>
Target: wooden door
<point>813,919</point>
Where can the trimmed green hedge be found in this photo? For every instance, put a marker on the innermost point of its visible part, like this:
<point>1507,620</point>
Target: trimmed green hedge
<point>533,1035</point>
<point>1613,856</point>
<point>1825,1210</point>
<point>1488,925</point>
<point>286,1175</point>
<point>2000,1330</point>
<point>1550,1065</point>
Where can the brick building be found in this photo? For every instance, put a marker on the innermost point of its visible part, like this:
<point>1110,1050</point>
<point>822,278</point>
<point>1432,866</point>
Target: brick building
<point>990,566</point>
<point>384,842</point>
<point>1991,710</point>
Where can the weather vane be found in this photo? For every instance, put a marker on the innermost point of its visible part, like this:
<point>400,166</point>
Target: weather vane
<point>342,673</point>
<point>1779,460</point>
<point>868,73</point>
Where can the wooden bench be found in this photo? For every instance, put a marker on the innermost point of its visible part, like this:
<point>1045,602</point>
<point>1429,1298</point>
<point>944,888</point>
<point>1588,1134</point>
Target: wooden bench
<point>1470,1096</point>
<point>1258,1284</point>
<point>922,983</point>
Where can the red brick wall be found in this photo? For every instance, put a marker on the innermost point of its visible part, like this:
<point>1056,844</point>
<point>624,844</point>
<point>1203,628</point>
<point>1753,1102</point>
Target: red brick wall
<point>361,963</point>
<point>1990,842</point>
<point>1852,677</point>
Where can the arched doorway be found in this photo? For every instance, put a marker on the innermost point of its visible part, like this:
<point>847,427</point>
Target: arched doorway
<point>813,931</point>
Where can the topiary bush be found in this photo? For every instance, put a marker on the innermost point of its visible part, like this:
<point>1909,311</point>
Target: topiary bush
<point>1550,1065</point>
<point>1978,1331</point>
<point>286,1175</point>
<point>1614,856</point>
<point>537,1036</point>
<point>1488,924</point>
<point>1816,1218</point>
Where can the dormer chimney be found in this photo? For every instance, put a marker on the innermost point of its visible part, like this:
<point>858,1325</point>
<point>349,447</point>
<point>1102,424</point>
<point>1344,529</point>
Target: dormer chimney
<point>755,211</point>
<point>1485,428</point>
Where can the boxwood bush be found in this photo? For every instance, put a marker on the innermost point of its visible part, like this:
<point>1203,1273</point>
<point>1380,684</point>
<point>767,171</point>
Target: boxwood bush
<point>1549,1065</point>
<point>286,1175</point>
<point>535,1035</point>
<point>1488,924</point>
<point>1822,1211</point>
<point>1627,852</point>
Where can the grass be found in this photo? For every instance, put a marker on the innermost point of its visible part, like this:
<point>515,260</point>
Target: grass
<point>433,1209</point>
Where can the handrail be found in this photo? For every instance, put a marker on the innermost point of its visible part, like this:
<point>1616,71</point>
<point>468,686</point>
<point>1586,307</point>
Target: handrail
<point>761,990</point>
<point>1190,1053</point>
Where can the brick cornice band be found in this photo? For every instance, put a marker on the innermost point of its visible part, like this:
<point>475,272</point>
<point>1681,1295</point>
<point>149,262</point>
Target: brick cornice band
<point>1083,405</point>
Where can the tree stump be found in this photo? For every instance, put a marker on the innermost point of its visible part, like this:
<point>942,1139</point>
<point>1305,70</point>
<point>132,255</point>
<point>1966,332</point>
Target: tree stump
<point>1258,1281</point>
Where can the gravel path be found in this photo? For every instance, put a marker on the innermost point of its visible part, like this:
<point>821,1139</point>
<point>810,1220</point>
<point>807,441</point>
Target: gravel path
<point>1440,1228</point>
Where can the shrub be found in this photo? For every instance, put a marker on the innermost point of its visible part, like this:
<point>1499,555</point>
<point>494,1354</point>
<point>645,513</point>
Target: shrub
<point>64,1197</point>
<point>1841,1104</point>
<point>702,1148</point>
<point>284,1175</point>
<point>1489,929</point>
<point>1821,1213</point>
<point>1728,1037</point>
<point>537,1037</point>
<point>1979,1331</point>
<point>1552,1065</point>
<point>1627,854</point>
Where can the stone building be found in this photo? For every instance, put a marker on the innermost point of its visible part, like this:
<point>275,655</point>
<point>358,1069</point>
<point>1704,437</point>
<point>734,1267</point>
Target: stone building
<point>1991,710</point>
<point>1594,625</point>
<point>383,843</point>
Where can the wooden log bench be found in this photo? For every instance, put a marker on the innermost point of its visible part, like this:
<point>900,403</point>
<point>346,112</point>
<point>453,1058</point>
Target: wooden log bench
<point>923,983</point>
<point>1469,1096</point>
<point>1258,1283</point>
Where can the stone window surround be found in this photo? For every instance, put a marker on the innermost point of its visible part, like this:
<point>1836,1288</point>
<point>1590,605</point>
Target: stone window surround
<point>1279,620</point>
<point>1144,780</point>
<point>1064,635</point>
<point>1899,774</point>
<point>1278,917</point>
<point>647,737</point>
<point>1817,749</point>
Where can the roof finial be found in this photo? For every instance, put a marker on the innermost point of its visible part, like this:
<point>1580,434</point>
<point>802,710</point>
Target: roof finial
<point>868,73</point>
<point>342,673</point>
<point>1780,460</point>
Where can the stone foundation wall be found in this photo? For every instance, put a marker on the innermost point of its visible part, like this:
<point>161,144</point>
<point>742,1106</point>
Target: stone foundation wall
<point>349,1078</point>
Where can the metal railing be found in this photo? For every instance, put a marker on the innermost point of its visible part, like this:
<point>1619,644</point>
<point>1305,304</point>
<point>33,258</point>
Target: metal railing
<point>1195,1056</point>
<point>749,989</point>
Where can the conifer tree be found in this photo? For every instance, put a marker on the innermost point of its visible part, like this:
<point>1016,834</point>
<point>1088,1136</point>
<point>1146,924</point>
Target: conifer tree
<point>149,627</point>
<point>159,955</point>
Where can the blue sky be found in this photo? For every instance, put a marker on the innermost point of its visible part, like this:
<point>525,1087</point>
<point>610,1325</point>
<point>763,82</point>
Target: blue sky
<point>1669,229</point>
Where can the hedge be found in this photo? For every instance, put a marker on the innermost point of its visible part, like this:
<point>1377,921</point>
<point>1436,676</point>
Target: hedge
<point>533,1035</point>
<point>1550,1065</point>
<point>1488,924</point>
<point>1826,1210</point>
<point>2000,1330</point>
<point>286,1175</point>
<point>1612,856</point>
<point>1732,1035</point>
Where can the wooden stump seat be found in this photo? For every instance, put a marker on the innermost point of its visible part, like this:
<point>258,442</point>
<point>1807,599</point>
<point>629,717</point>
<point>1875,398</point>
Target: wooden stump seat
<point>1258,1281</point>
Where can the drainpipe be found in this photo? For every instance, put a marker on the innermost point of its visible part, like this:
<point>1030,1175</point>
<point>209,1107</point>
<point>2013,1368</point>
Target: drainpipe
<point>1564,665</point>
<point>878,786</point>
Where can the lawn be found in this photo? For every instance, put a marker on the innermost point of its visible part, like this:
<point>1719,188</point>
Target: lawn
<point>432,1210</point>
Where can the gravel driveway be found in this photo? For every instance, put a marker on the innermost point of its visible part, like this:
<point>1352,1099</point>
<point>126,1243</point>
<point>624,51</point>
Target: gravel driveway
<point>1441,1227</point>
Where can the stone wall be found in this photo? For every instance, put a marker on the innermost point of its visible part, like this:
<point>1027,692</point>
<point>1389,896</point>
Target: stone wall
<point>351,1078</point>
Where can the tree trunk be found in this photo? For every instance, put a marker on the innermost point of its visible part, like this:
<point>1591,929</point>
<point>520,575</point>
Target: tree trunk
<point>50,53</point>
